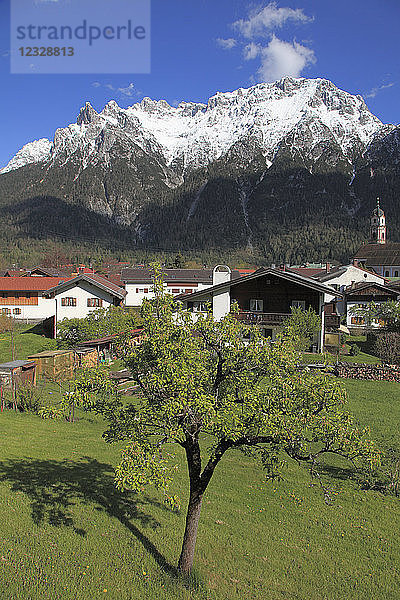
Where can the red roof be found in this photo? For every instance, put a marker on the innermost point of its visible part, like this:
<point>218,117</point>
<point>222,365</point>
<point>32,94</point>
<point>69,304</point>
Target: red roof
<point>29,284</point>
<point>244,272</point>
<point>307,271</point>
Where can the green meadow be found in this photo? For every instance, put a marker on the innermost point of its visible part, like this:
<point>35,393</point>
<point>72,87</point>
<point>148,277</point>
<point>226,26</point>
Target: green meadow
<point>66,532</point>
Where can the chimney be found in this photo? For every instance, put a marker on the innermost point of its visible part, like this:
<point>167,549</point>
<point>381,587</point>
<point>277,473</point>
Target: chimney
<point>221,274</point>
<point>328,267</point>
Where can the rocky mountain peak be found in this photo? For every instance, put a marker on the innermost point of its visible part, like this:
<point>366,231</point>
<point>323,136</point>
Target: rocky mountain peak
<point>87,115</point>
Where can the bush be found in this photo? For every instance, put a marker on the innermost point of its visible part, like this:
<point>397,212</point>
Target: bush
<point>354,350</point>
<point>28,398</point>
<point>387,347</point>
<point>6,323</point>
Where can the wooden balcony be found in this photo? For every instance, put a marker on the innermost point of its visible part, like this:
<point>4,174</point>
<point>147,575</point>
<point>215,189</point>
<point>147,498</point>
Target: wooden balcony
<point>332,322</point>
<point>262,319</point>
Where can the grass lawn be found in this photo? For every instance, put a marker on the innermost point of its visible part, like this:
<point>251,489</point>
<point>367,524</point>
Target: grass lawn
<point>68,533</point>
<point>26,340</point>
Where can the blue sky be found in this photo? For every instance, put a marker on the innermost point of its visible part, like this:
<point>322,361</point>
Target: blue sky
<point>199,47</point>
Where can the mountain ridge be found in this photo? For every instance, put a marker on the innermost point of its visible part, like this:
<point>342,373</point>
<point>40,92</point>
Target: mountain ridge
<point>249,167</point>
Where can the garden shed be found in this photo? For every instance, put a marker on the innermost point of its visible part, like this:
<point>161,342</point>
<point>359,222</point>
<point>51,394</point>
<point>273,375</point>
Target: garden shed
<point>17,371</point>
<point>54,364</point>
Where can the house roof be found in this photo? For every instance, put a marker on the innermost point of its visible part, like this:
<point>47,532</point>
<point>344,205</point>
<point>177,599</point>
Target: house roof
<point>379,254</point>
<point>340,270</point>
<point>94,279</point>
<point>49,353</point>
<point>361,289</point>
<point>306,271</point>
<point>109,338</point>
<point>48,272</point>
<point>287,275</point>
<point>171,275</point>
<point>29,284</point>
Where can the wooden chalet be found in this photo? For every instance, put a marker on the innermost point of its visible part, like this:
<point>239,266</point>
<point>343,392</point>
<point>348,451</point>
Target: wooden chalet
<point>265,299</point>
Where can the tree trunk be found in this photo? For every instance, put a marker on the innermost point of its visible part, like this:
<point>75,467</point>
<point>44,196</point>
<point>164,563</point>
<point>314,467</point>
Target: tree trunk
<point>189,539</point>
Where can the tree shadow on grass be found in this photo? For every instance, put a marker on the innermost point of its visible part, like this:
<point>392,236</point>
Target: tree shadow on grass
<point>54,487</point>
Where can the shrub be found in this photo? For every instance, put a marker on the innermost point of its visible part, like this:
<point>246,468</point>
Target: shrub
<point>28,398</point>
<point>387,347</point>
<point>354,350</point>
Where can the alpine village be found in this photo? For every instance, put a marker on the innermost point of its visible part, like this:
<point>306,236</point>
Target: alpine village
<point>200,351</point>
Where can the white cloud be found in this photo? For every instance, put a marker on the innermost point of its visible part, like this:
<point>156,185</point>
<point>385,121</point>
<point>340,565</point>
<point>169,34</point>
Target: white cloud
<point>262,21</point>
<point>280,59</point>
<point>375,90</point>
<point>226,44</point>
<point>124,92</point>
<point>128,91</point>
<point>251,51</point>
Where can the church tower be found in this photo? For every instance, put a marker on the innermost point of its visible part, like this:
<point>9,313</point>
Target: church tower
<point>378,225</point>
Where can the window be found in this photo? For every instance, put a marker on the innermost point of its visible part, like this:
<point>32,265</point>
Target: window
<point>357,321</point>
<point>68,301</point>
<point>142,290</point>
<point>175,291</point>
<point>94,302</point>
<point>188,291</point>
<point>396,273</point>
<point>256,305</point>
<point>386,273</point>
<point>17,311</point>
<point>200,306</point>
<point>6,311</point>
<point>299,304</point>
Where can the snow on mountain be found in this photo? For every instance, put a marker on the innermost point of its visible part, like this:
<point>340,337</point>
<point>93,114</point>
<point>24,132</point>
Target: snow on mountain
<point>193,135</point>
<point>33,152</point>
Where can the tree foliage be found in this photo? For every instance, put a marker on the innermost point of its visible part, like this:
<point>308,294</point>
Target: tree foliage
<point>201,385</point>
<point>381,312</point>
<point>99,323</point>
<point>302,326</point>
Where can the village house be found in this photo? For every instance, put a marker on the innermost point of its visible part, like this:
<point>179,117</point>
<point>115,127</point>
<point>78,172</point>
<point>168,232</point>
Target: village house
<point>24,297</point>
<point>359,295</point>
<point>265,299</point>
<point>77,297</point>
<point>139,282</point>
<point>340,278</point>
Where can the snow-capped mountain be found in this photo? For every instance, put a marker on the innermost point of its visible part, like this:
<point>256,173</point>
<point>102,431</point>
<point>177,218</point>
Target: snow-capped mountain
<point>193,135</point>
<point>294,152</point>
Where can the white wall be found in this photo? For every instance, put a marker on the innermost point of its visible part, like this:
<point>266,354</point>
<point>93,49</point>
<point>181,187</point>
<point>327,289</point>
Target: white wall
<point>42,310</point>
<point>135,298</point>
<point>82,291</point>
<point>221,303</point>
<point>352,274</point>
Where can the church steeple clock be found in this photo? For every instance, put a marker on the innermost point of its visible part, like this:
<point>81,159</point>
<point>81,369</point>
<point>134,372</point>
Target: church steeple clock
<point>378,225</point>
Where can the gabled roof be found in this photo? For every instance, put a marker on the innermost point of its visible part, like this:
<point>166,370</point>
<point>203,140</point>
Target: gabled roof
<point>94,279</point>
<point>286,275</point>
<point>362,289</point>
<point>29,284</point>
<point>47,272</point>
<point>379,254</point>
<point>340,270</point>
